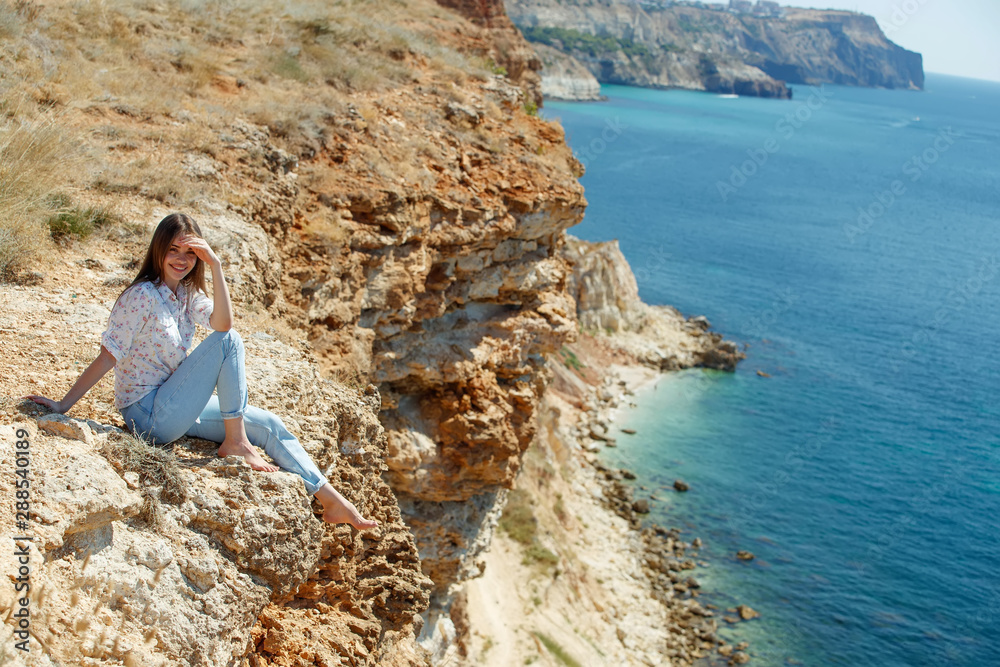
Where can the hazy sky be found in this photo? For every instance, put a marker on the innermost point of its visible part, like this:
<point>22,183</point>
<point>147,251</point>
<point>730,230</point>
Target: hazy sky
<point>960,37</point>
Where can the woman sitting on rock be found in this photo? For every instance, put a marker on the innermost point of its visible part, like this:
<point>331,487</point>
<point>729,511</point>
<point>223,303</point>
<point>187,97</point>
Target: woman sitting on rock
<point>163,392</point>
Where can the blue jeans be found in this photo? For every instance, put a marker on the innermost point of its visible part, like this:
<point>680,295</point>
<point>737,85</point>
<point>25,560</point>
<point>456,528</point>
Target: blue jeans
<point>184,405</point>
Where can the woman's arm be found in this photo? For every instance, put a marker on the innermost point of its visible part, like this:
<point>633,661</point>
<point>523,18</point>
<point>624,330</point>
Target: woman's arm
<point>222,308</point>
<point>97,369</point>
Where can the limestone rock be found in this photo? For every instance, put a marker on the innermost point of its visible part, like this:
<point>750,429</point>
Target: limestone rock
<point>564,77</point>
<point>263,522</point>
<point>508,47</point>
<point>67,427</point>
<point>607,297</point>
<point>252,269</point>
<point>603,286</point>
<point>77,493</point>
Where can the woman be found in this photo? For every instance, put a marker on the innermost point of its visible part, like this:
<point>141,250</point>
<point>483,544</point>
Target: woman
<point>163,392</point>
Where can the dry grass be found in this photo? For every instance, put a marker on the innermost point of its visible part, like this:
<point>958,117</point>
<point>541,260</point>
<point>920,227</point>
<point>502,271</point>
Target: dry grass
<point>15,15</point>
<point>33,156</point>
<point>147,62</point>
<point>156,466</point>
<point>149,84</point>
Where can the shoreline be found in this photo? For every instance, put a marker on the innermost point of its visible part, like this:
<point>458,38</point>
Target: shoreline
<point>672,556</point>
<point>634,597</point>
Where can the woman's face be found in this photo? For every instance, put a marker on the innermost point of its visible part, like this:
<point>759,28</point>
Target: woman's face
<point>179,260</point>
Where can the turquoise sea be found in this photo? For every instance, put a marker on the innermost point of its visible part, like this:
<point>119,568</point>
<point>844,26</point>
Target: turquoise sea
<point>851,238</point>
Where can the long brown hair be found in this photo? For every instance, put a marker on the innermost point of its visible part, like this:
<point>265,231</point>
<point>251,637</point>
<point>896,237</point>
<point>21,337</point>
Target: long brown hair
<point>163,236</point>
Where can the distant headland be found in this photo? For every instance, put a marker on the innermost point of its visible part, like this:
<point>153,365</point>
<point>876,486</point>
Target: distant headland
<point>741,48</point>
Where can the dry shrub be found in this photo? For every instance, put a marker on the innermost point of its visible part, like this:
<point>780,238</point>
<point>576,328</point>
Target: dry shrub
<point>79,222</point>
<point>14,15</point>
<point>197,137</point>
<point>10,22</point>
<point>519,522</point>
<point>156,466</point>
<point>33,156</point>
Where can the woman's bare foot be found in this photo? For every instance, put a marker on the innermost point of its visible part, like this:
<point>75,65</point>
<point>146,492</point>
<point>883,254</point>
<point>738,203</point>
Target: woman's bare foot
<point>338,509</point>
<point>249,454</point>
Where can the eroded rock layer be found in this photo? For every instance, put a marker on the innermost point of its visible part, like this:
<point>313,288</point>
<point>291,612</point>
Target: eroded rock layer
<point>503,43</point>
<point>446,298</point>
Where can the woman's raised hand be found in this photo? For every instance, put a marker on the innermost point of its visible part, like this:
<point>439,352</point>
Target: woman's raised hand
<point>201,248</point>
<point>54,406</point>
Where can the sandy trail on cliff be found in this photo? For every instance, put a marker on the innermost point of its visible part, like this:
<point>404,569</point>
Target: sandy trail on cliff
<point>605,617</point>
<point>597,605</point>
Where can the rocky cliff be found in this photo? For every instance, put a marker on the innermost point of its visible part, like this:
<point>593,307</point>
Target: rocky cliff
<point>390,211</point>
<point>387,197</point>
<point>673,46</point>
<point>140,556</point>
<point>565,78</point>
<point>607,297</point>
<point>591,579</point>
<point>502,43</point>
<point>444,293</point>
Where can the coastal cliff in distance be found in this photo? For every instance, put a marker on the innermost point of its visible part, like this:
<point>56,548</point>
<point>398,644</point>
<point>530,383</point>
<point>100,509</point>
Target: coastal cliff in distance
<point>710,48</point>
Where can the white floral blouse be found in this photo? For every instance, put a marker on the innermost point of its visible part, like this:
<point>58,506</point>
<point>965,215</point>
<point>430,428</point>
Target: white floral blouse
<point>149,333</point>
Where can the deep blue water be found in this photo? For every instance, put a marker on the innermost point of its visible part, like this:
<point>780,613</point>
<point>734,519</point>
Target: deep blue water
<point>864,474</point>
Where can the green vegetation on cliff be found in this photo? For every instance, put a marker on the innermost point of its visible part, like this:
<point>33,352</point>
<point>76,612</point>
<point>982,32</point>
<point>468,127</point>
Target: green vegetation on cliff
<point>595,46</point>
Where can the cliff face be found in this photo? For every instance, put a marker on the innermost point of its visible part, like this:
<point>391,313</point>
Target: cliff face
<point>564,77</point>
<point>446,298</point>
<point>502,42</point>
<point>713,50</point>
<point>813,47</point>
<point>383,195</point>
<point>587,577</point>
<point>604,288</point>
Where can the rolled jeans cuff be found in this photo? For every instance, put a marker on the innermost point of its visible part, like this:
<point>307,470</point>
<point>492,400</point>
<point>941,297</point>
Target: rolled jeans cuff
<point>313,487</point>
<point>231,415</point>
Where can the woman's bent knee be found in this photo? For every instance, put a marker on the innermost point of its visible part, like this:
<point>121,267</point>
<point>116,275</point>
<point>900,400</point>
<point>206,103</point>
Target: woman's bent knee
<point>231,336</point>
